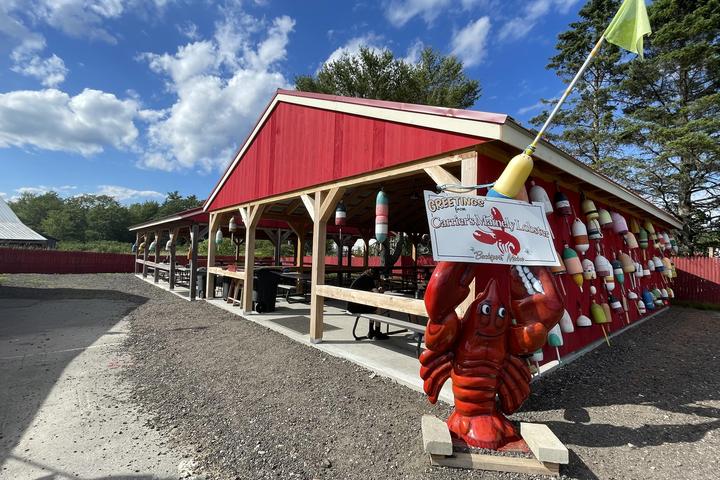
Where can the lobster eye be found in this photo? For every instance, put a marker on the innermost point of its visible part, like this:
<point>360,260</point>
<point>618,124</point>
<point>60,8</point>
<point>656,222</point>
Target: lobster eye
<point>501,312</point>
<point>485,309</point>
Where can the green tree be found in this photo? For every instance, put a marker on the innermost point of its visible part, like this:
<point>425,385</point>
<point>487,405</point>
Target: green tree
<point>671,126</point>
<point>67,223</point>
<point>107,220</point>
<point>142,212</point>
<point>587,126</point>
<point>435,80</point>
<point>32,208</point>
<point>174,203</point>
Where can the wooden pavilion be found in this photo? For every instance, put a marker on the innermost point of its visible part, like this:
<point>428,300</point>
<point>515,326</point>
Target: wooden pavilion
<point>309,151</point>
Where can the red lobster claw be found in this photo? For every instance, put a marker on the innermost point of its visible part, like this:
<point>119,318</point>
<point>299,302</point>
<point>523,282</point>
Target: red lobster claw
<point>485,237</point>
<point>536,306</point>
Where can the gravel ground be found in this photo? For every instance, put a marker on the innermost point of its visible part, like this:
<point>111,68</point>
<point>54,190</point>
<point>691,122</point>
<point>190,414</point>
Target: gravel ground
<point>250,403</point>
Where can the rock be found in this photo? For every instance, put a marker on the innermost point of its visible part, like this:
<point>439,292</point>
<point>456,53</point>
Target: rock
<point>436,436</point>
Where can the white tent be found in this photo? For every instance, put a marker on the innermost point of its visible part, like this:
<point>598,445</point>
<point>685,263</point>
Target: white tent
<point>14,232</point>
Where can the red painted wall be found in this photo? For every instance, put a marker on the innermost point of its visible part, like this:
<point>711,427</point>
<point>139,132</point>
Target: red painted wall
<point>698,279</point>
<point>576,301</point>
<point>14,260</point>
<point>299,147</point>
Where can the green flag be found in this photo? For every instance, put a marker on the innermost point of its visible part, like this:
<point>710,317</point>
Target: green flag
<point>629,26</point>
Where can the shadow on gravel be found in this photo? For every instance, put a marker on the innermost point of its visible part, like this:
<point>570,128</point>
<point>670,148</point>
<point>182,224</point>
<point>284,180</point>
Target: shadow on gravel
<point>669,363</point>
<point>41,331</point>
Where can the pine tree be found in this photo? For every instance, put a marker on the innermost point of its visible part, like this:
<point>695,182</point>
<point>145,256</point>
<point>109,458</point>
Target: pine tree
<point>671,127</point>
<point>586,126</point>
<point>434,80</point>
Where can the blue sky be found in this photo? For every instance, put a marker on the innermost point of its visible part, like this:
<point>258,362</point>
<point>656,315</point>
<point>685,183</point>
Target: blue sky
<point>135,98</point>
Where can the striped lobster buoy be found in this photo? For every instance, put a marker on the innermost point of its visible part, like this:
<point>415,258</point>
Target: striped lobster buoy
<point>381,216</point>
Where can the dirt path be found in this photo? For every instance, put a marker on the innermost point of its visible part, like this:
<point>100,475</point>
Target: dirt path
<point>251,403</point>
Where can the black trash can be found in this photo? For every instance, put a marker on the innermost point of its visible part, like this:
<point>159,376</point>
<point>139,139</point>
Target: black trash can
<point>265,290</point>
<point>201,282</point>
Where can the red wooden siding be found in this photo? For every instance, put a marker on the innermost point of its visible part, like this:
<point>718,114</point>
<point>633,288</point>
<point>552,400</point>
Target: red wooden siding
<point>698,279</point>
<point>576,302</point>
<point>16,260</point>
<point>299,147</point>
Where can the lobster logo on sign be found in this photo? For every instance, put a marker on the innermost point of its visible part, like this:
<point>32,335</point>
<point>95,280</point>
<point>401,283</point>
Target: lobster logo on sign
<point>505,241</point>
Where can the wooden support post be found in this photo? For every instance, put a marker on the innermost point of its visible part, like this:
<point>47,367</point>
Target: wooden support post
<point>173,239</point>
<point>156,276</point>
<point>323,207</point>
<point>254,212</point>
<point>366,251</point>
<point>194,234</point>
<point>136,268</point>
<point>278,244</point>
<point>146,253</point>
<point>212,228</point>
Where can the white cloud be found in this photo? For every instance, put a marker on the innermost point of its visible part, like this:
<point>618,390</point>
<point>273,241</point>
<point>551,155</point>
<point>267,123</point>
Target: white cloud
<point>80,18</point>
<point>413,53</point>
<point>399,12</point>
<point>51,71</point>
<point>221,85</point>
<point>531,108</point>
<point>122,194</point>
<point>469,43</point>
<point>52,120</point>
<point>352,47</point>
<point>519,26</point>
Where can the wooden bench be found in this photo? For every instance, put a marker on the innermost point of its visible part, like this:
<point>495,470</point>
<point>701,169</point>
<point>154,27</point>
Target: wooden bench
<point>417,329</point>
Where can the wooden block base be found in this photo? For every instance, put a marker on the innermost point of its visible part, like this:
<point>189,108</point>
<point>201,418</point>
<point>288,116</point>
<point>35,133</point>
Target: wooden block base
<point>477,461</point>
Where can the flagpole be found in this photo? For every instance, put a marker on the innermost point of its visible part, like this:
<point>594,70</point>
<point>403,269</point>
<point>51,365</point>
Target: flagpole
<point>593,52</point>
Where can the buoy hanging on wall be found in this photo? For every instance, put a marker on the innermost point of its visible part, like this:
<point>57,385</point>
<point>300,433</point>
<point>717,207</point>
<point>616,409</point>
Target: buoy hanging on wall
<point>538,194</point>
<point>232,226</point>
<point>604,218</point>
<point>619,224</point>
<point>218,237</point>
<point>588,207</point>
<point>381,216</point>
<point>573,265</point>
<point>580,235</point>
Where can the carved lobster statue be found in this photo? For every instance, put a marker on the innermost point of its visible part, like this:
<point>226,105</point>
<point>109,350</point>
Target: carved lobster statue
<point>480,351</point>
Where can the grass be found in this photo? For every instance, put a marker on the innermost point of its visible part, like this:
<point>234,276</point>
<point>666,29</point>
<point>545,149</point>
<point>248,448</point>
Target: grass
<point>101,246</point>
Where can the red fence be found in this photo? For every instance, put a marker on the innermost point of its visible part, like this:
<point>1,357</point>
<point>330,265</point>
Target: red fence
<point>16,260</point>
<point>698,279</point>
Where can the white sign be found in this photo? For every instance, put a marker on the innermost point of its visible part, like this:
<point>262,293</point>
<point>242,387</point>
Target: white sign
<point>468,228</point>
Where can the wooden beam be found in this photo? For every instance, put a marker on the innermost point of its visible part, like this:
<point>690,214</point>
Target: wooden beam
<point>156,259</point>
<point>194,234</point>
<point>254,214</point>
<point>137,252</point>
<point>309,206</point>
<point>390,302</point>
<point>317,274</point>
<point>330,202</point>
<point>496,463</point>
<point>244,214</point>
<point>212,228</point>
<point>146,252</point>
<point>441,176</point>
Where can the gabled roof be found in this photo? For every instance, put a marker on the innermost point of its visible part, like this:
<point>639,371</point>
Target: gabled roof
<point>12,229</point>
<point>483,125</point>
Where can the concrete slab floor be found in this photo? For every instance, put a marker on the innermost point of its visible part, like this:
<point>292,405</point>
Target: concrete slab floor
<point>182,292</point>
<point>66,413</point>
